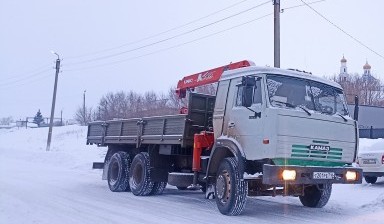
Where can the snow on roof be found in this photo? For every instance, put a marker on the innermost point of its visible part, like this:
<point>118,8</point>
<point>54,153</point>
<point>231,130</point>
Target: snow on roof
<point>270,70</point>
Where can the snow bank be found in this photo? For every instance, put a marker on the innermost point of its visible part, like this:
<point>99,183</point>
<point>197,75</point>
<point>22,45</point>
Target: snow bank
<point>68,146</point>
<point>60,187</point>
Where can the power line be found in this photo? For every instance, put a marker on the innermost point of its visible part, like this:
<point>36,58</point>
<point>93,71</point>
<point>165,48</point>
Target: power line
<point>168,48</point>
<point>342,30</point>
<point>169,38</point>
<point>296,6</point>
<point>23,74</point>
<point>26,78</point>
<point>28,83</point>
<point>161,50</point>
<point>188,42</point>
<point>158,34</point>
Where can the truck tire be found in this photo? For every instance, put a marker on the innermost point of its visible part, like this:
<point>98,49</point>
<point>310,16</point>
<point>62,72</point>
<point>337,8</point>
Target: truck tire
<point>181,188</point>
<point>158,188</point>
<point>139,175</point>
<point>370,179</point>
<point>118,172</point>
<point>316,196</point>
<point>230,189</point>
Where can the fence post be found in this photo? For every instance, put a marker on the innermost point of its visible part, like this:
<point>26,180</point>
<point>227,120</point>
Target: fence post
<point>371,133</point>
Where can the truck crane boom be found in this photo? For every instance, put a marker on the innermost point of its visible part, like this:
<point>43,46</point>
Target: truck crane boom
<point>206,77</point>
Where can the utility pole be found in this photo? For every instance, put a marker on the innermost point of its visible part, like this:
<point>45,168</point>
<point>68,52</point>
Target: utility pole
<point>61,117</point>
<point>84,112</point>
<point>276,38</point>
<point>53,101</point>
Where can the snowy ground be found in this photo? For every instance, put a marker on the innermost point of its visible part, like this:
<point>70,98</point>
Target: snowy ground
<point>59,186</point>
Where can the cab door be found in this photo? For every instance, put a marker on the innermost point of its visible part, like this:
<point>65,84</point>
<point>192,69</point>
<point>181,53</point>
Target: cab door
<point>245,113</point>
<point>220,107</point>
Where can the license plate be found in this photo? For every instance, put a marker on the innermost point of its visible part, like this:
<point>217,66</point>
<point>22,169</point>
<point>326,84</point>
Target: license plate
<point>325,148</point>
<point>324,175</point>
<point>369,161</point>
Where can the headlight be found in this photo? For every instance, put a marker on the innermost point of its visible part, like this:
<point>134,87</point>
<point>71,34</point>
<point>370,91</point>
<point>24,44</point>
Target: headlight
<point>351,176</point>
<point>289,174</point>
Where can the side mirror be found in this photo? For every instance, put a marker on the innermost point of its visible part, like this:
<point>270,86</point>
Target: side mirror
<point>247,83</point>
<point>356,112</point>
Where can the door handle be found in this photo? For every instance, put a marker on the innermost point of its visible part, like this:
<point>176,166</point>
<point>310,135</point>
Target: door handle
<point>231,125</point>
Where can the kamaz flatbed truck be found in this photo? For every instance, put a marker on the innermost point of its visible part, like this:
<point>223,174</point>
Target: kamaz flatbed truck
<point>266,132</point>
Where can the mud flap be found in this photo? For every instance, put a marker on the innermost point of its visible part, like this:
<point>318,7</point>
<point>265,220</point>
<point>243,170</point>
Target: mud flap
<point>98,165</point>
<point>210,193</point>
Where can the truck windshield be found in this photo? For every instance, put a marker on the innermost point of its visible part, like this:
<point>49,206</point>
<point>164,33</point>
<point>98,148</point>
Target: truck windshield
<point>290,92</point>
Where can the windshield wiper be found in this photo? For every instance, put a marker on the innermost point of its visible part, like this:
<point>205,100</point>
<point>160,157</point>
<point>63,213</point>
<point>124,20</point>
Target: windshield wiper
<point>285,103</point>
<point>293,106</point>
<point>345,119</point>
<point>306,111</point>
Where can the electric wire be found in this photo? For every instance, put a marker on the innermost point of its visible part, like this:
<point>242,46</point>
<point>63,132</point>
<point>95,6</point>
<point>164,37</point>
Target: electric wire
<point>296,6</point>
<point>24,74</point>
<point>172,47</point>
<point>157,34</point>
<point>342,30</point>
<point>28,83</point>
<point>169,38</point>
<point>151,53</point>
<point>184,43</point>
<point>26,78</point>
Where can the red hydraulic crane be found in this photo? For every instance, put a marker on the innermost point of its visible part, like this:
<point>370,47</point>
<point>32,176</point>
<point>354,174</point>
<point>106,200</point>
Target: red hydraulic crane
<point>206,77</point>
<point>204,139</point>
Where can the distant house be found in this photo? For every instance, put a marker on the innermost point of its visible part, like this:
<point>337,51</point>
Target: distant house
<point>24,124</point>
<point>21,123</point>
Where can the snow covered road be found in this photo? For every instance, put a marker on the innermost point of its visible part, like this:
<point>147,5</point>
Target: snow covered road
<point>60,187</point>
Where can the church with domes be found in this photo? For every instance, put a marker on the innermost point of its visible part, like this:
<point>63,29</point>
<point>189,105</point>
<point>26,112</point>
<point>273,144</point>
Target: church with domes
<point>369,89</point>
<point>344,71</point>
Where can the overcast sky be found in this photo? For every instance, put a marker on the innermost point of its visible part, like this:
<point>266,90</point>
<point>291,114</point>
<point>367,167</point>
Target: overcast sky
<point>150,45</point>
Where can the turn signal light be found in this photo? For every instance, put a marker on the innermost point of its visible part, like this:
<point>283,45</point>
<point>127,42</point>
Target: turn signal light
<point>289,174</point>
<point>351,176</point>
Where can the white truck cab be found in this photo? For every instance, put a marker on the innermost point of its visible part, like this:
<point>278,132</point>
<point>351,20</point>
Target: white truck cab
<point>280,132</point>
<point>282,115</point>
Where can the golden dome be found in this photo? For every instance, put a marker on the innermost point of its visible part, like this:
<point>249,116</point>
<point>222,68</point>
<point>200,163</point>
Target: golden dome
<point>366,66</point>
<point>343,60</point>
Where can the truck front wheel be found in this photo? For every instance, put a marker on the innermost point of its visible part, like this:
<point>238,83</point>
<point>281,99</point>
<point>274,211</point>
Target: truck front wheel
<point>118,169</point>
<point>230,190</point>
<point>316,196</point>
<point>370,179</point>
<point>139,175</point>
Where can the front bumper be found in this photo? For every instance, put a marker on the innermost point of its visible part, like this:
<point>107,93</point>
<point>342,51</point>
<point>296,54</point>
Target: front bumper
<point>272,175</point>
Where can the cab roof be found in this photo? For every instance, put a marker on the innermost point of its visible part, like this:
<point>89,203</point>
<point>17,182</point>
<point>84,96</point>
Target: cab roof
<point>254,70</point>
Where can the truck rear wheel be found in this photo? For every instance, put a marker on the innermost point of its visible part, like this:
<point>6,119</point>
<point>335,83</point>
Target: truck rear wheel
<point>230,190</point>
<point>118,172</point>
<point>158,188</point>
<point>316,196</point>
<point>370,179</point>
<point>181,188</point>
<point>139,175</point>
